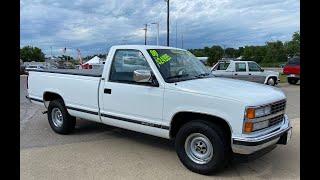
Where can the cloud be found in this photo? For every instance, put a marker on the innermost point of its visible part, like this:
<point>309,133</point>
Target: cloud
<point>95,25</point>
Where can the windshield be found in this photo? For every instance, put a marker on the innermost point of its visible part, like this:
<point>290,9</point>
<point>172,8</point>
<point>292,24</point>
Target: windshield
<point>294,61</point>
<point>178,65</point>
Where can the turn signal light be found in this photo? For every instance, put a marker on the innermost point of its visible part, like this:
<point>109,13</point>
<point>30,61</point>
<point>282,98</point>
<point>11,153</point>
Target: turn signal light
<point>248,127</point>
<point>251,114</point>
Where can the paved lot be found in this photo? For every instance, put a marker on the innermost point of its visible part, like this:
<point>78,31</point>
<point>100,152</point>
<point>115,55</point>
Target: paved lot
<point>96,151</point>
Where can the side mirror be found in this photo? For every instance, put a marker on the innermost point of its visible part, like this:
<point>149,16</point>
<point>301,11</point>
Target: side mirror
<point>262,70</point>
<point>145,76</point>
<point>142,76</point>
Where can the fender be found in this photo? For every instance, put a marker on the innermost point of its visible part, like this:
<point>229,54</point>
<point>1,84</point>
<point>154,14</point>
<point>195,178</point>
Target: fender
<point>53,91</point>
<point>218,115</point>
<point>270,75</point>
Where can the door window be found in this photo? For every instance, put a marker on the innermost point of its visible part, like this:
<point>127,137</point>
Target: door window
<point>124,63</point>
<point>241,67</point>
<point>254,66</point>
<point>223,65</point>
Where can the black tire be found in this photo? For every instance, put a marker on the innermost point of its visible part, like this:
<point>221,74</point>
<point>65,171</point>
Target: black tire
<point>219,141</point>
<point>274,79</point>
<point>293,80</point>
<point>68,121</point>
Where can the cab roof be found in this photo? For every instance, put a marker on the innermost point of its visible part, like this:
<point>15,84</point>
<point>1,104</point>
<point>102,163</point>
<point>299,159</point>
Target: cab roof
<point>144,47</point>
<point>233,60</point>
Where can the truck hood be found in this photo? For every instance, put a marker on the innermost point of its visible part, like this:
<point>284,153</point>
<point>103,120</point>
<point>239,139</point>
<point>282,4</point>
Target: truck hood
<point>249,93</point>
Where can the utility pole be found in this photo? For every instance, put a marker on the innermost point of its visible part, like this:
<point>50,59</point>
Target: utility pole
<point>157,23</point>
<point>176,34</point>
<point>51,51</point>
<point>167,22</point>
<point>145,33</point>
<point>79,56</point>
<point>181,40</point>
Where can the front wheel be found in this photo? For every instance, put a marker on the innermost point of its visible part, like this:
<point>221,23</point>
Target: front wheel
<point>202,147</point>
<point>60,120</point>
<point>271,81</point>
<point>292,80</point>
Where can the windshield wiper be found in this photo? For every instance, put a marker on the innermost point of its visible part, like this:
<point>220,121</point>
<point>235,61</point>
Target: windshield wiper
<point>202,75</point>
<point>178,76</point>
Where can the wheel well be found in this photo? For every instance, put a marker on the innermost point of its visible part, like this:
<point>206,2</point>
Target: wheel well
<point>182,118</point>
<point>50,96</point>
<point>273,77</point>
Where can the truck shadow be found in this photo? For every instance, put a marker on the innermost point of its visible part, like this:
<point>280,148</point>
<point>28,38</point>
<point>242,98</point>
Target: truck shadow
<point>85,127</point>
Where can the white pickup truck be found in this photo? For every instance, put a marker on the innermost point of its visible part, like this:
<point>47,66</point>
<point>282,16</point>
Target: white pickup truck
<point>167,92</point>
<point>245,70</point>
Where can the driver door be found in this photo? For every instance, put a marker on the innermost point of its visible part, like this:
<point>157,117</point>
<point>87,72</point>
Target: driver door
<point>255,73</point>
<point>125,100</point>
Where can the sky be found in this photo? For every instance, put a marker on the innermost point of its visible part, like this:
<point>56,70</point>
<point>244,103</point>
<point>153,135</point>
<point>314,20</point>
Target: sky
<point>94,26</point>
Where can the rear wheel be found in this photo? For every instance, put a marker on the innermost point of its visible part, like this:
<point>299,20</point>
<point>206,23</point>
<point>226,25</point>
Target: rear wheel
<point>60,120</point>
<point>202,147</point>
<point>293,80</point>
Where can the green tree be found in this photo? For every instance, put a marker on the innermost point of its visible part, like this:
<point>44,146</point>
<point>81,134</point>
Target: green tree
<point>64,57</point>
<point>293,47</point>
<point>214,54</point>
<point>29,53</point>
<point>231,52</point>
<point>198,52</point>
<point>275,52</point>
<point>248,52</point>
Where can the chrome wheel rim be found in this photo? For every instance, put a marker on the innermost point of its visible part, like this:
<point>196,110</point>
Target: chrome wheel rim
<point>271,82</point>
<point>56,116</point>
<point>198,148</point>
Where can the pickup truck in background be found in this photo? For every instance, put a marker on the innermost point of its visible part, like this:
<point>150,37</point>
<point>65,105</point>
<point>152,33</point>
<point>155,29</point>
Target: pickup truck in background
<point>292,70</point>
<point>245,70</point>
<point>167,92</point>
<point>33,67</point>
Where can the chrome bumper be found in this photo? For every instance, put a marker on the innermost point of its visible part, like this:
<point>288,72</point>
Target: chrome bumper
<point>293,76</point>
<point>249,145</point>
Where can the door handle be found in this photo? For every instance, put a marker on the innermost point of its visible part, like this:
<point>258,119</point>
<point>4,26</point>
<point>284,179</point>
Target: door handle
<point>107,91</point>
<point>249,73</point>
<point>236,74</point>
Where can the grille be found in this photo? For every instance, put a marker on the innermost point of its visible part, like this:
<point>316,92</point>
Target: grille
<point>275,120</point>
<point>278,106</point>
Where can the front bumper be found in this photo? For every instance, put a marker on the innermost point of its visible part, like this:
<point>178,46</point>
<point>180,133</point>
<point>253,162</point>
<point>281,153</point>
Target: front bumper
<point>293,76</point>
<point>249,145</point>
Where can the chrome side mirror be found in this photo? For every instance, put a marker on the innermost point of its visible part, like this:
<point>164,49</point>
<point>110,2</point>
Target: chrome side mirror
<point>142,76</point>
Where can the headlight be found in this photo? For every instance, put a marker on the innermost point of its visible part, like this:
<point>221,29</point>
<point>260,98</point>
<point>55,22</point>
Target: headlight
<point>260,125</point>
<point>252,113</point>
<point>254,126</point>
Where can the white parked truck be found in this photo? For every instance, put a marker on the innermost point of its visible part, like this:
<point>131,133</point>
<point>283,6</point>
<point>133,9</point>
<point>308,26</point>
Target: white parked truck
<point>245,70</point>
<point>167,92</point>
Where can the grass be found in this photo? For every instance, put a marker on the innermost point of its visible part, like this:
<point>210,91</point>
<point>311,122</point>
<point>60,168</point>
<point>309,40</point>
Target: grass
<point>283,78</point>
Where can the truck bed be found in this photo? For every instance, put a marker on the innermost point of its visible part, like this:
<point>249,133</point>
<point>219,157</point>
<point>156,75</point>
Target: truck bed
<point>80,72</point>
